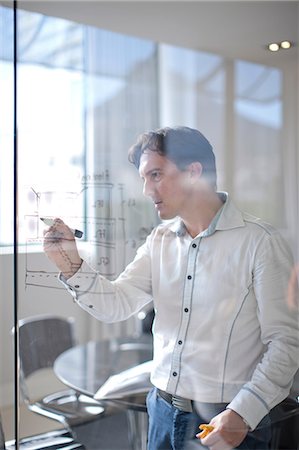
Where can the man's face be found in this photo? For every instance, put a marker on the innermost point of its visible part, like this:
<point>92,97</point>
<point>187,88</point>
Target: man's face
<point>165,184</point>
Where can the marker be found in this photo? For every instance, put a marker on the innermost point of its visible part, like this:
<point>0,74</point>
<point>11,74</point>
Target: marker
<point>50,222</point>
<point>206,429</point>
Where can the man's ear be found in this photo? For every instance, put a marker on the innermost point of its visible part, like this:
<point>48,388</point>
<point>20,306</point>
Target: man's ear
<point>195,170</point>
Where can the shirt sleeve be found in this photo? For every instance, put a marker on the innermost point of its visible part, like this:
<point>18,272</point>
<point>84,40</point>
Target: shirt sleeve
<point>272,378</point>
<point>113,301</point>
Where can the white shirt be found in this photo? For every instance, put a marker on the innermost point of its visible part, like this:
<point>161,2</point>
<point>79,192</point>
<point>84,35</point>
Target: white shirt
<point>222,331</point>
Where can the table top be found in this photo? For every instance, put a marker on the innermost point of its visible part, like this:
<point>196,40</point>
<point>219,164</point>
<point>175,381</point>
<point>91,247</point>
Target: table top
<point>86,367</point>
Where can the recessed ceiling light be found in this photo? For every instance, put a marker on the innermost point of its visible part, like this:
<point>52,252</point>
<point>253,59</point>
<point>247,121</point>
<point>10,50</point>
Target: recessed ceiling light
<point>285,44</point>
<point>273,47</point>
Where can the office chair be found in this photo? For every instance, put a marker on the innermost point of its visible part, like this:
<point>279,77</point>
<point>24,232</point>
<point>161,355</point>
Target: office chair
<point>285,425</point>
<point>144,321</point>
<point>42,339</point>
<point>52,440</point>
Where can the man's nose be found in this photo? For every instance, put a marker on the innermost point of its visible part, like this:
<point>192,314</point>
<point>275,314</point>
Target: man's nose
<point>147,188</point>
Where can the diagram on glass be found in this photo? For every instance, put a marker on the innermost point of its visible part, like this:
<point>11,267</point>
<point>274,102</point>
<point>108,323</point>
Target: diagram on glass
<point>114,227</point>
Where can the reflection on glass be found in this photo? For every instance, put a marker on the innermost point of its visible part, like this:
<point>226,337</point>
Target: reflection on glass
<point>193,93</point>
<point>84,94</point>
<point>258,151</point>
<point>7,409</point>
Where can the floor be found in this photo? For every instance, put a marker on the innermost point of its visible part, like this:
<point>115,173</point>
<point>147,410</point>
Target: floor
<point>109,433</point>
<point>30,423</point>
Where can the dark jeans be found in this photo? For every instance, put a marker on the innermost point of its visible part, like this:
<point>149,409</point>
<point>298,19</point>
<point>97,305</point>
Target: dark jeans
<point>172,429</point>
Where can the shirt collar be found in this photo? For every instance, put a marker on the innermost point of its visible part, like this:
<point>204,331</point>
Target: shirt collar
<point>228,217</point>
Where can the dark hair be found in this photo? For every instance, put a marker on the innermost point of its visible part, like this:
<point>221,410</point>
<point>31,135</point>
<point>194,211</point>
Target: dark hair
<point>182,145</point>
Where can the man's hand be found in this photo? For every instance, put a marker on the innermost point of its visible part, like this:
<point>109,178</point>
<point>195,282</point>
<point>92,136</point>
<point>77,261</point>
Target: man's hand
<point>61,248</point>
<point>229,431</point>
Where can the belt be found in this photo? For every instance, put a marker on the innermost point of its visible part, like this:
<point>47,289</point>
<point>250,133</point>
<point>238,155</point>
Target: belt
<point>178,402</point>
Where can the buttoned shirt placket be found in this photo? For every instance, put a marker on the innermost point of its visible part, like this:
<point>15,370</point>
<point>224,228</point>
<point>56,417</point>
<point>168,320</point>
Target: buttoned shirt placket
<point>193,255</point>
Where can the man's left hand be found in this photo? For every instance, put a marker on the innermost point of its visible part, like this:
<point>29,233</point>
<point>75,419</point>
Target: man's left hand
<point>229,431</point>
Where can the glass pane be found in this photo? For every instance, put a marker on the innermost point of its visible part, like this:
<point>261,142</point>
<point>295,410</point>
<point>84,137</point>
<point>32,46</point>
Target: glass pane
<point>122,102</point>
<point>6,219</point>
<point>84,94</point>
<point>258,163</point>
<point>80,107</point>
<point>192,92</point>
<point>51,129</point>
<point>6,123</point>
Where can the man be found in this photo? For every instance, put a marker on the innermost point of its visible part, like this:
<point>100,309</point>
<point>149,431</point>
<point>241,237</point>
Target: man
<point>225,343</point>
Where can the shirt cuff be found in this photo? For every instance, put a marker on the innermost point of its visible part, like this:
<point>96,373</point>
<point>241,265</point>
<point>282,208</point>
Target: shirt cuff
<point>249,406</point>
<point>80,282</point>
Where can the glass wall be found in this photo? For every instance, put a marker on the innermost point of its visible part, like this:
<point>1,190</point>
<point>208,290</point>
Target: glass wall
<point>83,96</point>
<point>7,272</point>
<point>258,140</point>
<point>193,93</point>
<point>238,105</point>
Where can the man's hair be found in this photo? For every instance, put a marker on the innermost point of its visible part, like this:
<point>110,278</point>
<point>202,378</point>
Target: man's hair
<point>182,145</point>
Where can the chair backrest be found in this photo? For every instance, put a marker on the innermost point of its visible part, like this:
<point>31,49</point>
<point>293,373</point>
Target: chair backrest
<point>147,322</point>
<point>144,321</point>
<point>285,425</point>
<point>42,339</point>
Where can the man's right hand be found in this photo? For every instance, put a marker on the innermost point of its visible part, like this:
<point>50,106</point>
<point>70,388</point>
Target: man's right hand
<point>61,248</point>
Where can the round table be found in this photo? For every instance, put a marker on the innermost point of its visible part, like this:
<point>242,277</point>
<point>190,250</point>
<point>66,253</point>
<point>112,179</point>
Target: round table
<point>85,368</point>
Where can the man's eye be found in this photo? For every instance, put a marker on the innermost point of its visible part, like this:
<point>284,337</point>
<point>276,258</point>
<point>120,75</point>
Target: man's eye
<point>156,176</point>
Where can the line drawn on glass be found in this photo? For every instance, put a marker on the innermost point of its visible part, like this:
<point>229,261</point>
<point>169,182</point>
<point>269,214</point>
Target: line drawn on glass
<point>112,235</point>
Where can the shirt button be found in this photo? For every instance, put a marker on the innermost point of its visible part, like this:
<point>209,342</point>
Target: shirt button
<point>180,342</point>
<point>77,286</point>
<point>90,306</point>
<point>189,277</point>
<point>174,374</point>
<point>194,245</point>
<point>186,309</point>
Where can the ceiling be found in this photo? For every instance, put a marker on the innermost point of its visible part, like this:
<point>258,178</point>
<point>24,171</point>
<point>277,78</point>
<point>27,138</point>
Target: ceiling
<point>235,29</point>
